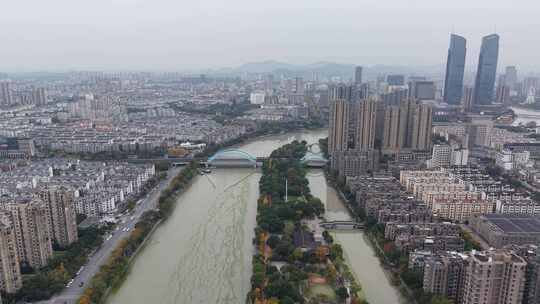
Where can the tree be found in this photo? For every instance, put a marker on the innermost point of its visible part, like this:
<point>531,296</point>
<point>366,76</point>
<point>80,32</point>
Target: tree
<point>342,293</point>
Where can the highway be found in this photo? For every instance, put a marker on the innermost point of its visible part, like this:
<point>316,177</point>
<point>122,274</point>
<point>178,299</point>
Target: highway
<point>125,225</point>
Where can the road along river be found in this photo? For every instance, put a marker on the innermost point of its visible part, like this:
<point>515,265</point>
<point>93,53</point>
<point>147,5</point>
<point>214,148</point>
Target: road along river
<point>202,253</point>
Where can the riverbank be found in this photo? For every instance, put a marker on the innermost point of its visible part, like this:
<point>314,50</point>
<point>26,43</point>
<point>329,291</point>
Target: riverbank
<point>112,274</point>
<point>289,266</point>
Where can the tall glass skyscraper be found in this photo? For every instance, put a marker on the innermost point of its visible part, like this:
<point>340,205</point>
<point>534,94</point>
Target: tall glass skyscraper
<point>455,68</point>
<point>484,86</point>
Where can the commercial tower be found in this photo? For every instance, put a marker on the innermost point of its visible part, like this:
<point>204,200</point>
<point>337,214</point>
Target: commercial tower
<point>484,86</point>
<point>455,68</point>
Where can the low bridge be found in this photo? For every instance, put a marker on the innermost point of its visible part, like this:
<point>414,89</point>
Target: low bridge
<point>314,160</point>
<point>342,225</point>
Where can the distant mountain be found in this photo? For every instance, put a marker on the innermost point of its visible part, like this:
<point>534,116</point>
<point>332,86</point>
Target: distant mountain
<point>262,67</point>
<point>325,69</point>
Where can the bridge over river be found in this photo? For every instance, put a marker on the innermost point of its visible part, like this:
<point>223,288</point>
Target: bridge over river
<point>342,225</point>
<point>238,158</point>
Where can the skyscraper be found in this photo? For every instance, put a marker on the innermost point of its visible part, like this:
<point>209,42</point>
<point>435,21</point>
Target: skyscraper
<point>358,76</point>
<point>487,70</point>
<point>455,68</point>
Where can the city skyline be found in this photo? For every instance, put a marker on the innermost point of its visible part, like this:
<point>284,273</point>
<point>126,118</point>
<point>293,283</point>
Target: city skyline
<point>178,36</point>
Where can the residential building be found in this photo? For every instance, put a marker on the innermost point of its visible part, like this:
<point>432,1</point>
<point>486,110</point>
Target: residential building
<point>517,206</point>
<point>441,156</point>
<point>31,227</point>
<point>61,214</point>
<point>510,160</point>
<point>10,270</point>
<point>338,129</point>
<point>365,125</point>
<point>407,126</point>
<point>494,277</point>
<point>444,275</point>
<point>6,97</point>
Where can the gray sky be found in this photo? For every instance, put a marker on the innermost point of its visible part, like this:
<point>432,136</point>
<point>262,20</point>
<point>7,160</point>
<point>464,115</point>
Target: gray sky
<point>180,34</point>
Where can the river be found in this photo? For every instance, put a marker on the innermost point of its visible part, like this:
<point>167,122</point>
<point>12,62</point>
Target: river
<point>202,253</point>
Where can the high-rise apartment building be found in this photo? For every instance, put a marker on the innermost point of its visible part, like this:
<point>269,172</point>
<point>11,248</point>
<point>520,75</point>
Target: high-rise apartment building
<point>31,227</point>
<point>455,69</point>
<point>395,97</point>
<point>344,92</point>
<point>61,214</point>
<point>487,70</point>
<point>6,97</point>
<point>441,156</point>
<point>407,126</point>
<point>494,277</point>
<point>358,76</point>
<point>365,125</point>
<point>39,97</point>
<point>338,128</point>
<point>444,274</point>
<point>10,269</point>
<point>395,126</point>
<point>420,133</point>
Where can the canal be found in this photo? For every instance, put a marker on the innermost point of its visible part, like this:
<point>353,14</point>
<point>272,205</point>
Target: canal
<point>358,253</point>
<point>202,253</point>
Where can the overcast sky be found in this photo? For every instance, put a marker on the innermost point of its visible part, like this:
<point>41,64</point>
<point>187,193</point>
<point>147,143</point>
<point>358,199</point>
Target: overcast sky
<point>180,34</point>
